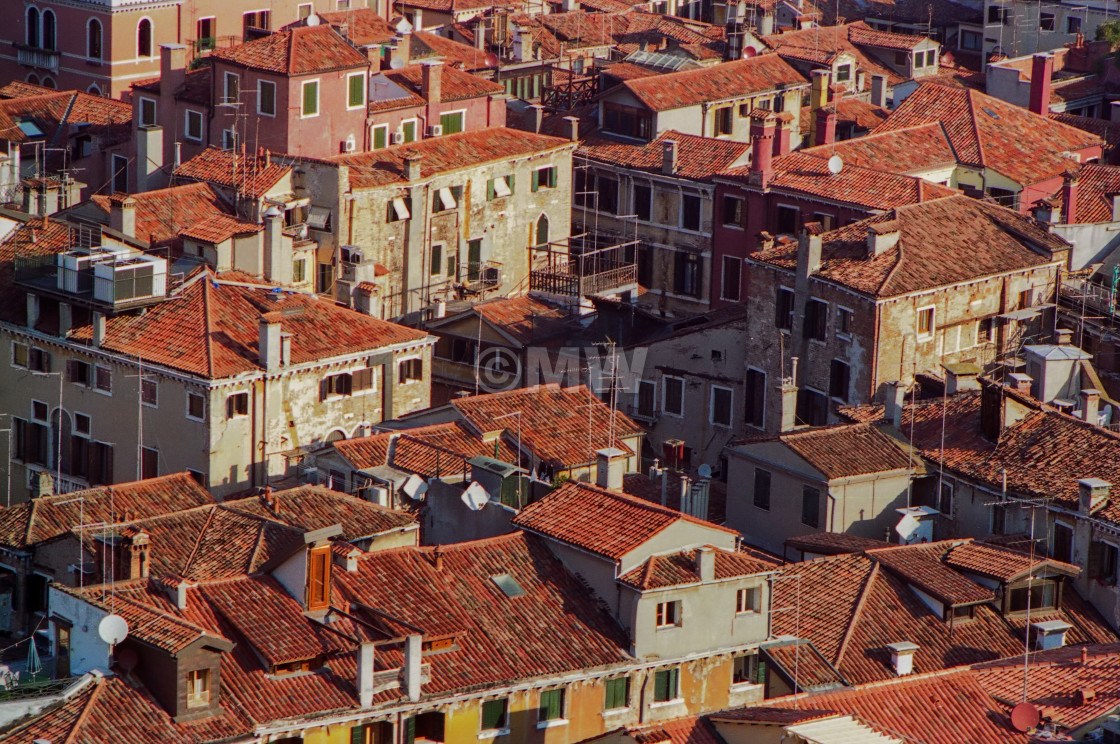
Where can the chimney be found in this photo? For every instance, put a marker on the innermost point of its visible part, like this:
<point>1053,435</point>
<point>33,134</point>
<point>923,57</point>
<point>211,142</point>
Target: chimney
<point>902,657</point>
<point>789,400</point>
<point>122,216</point>
<point>149,157</point>
<point>172,69</point>
<point>65,319</point>
<point>431,81</point>
<point>808,254</point>
<point>1092,494</point>
<point>536,117</point>
<point>895,402</point>
<point>480,36</point>
<point>825,129</point>
<point>364,681</point>
<point>706,563</point>
<point>44,485</point>
<point>285,349</point>
<point>412,661</point>
<point>1090,405</point>
<point>403,50</point>
<point>1020,382</point>
<point>98,323</point>
<point>610,464</point>
<point>32,310</point>
<point>881,237</point>
<point>1042,68</point>
<point>524,46</point>
<point>178,157</point>
<point>412,166</point>
<point>437,558</point>
<point>573,127</point>
<point>762,144</point>
<point>1063,336</point>
<point>818,98</point>
<point>1049,634</point>
<point>961,377</point>
<point>269,341</point>
<point>1069,199</point>
<point>277,262</point>
<point>139,552</point>
<point>879,90</point>
<point>669,157</point>
<point>781,138</point>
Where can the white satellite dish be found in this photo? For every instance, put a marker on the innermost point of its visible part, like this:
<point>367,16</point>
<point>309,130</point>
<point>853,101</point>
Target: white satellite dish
<point>705,471</point>
<point>907,528</point>
<point>475,497</point>
<point>113,629</point>
<point>396,63</point>
<point>415,487</point>
<point>835,164</point>
<point>313,20</point>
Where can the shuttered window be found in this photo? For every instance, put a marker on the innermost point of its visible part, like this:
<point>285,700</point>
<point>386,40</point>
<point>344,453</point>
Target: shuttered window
<point>552,705</point>
<point>665,685</point>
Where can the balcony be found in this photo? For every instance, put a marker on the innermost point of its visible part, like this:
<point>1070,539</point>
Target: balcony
<point>476,277</point>
<point>581,267</point>
<point>40,59</point>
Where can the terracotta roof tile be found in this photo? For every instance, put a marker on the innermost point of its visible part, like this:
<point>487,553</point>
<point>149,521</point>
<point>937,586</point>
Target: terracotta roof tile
<point>250,174</point>
<point>315,507</point>
<point>527,320</point>
<point>863,115</point>
<point>450,51</point>
<point>162,215</point>
<point>716,83</point>
<point>428,451</point>
<point>455,85</point>
<point>299,50</point>
<point>913,149</point>
<point>678,569</point>
<point>803,663</point>
<point>644,487</point>
<point>833,543</point>
<point>363,25</point>
<point>698,158</point>
<point>1002,563</point>
<point>921,566</point>
<point>220,228</point>
<point>195,87</point>
<point>821,45</point>
<point>678,731</point>
<point>847,450</point>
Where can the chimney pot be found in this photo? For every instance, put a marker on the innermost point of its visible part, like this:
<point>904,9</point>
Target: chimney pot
<point>1021,383</point>
<point>881,237</point>
<point>762,150</point>
<point>1092,493</point>
<point>268,346</point>
<point>431,82</point>
<point>98,329</point>
<point>879,90</point>
<point>537,117</point>
<point>412,662</point>
<point>902,657</point>
<point>895,402</point>
<point>1069,199</point>
<point>610,464</point>
<point>573,127</point>
<point>412,166</point>
<point>365,674</point>
<point>1090,405</point>
<point>669,157</point>
<point>706,563</point>
<point>1042,68</point>
<point>1063,336</point>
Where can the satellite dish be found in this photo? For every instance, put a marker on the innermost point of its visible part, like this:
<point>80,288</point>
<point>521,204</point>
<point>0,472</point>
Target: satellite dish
<point>127,659</point>
<point>313,20</point>
<point>1024,717</point>
<point>835,164</point>
<point>475,497</point>
<point>907,527</point>
<point>705,471</point>
<point>396,63</point>
<point>415,487</point>
<point>113,629</point>
<point>491,60</point>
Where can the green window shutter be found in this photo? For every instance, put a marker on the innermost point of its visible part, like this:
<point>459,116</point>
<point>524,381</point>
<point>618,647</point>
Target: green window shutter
<point>409,730</point>
<point>536,181</point>
<point>490,190</point>
<point>760,672</point>
<point>494,714</point>
<point>660,686</point>
<point>310,99</point>
<point>509,182</point>
<point>358,734</point>
<point>552,704</point>
<point>436,264</point>
<point>379,137</point>
<point>356,91</point>
<point>616,693</point>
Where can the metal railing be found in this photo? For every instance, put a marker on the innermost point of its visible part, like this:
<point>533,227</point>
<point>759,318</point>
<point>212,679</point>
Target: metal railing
<point>43,59</point>
<point>571,284</point>
<point>478,276</point>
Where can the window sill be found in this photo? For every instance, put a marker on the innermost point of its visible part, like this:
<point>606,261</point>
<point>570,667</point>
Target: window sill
<point>744,686</point>
<point>667,703</point>
<point>661,628</point>
<point>610,712</point>
<point>491,733</point>
<point>554,723</point>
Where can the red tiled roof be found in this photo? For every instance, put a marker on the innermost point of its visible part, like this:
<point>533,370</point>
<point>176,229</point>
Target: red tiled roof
<point>820,45</point>
<point>847,450</point>
<point>988,132</point>
<point>525,319</point>
<point>211,328</point>
<point>195,87</point>
<point>678,569</point>
<point>860,33</point>
<point>162,215</point>
<point>833,543</point>
<point>363,25</point>
<point>57,112</point>
<point>36,237</point>
<point>1002,563</point>
<point>762,714</point>
<point>428,451</point>
<point>249,174</point>
<point>315,507</point>
<point>698,158</point>
<point>716,83</point>
<point>443,154</point>
<point>563,427</point>
<point>862,114</point>
<point>1109,131</point>
<point>910,150</point>
<point>455,85</point>
<point>607,523</point>
<point>803,663</point>
<point>220,228</point>
<point>298,50</point>
<point>450,51</point>
<point>921,566</point>
<point>644,487</point>
<point>627,71</point>
<point>678,731</point>
<point>937,247</point>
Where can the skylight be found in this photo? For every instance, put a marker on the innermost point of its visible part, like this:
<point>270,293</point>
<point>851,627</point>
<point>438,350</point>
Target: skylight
<point>508,585</point>
<point>989,112</point>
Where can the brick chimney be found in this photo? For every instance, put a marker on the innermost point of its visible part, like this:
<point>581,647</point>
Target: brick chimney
<point>1090,405</point>
<point>818,98</point>
<point>139,552</point>
<point>825,129</point>
<point>412,166</point>
<point>1042,69</point>
<point>277,261</point>
<point>762,155</point>
<point>572,123</point>
<point>1092,494</point>
<point>1069,198</point>
<point>431,82</point>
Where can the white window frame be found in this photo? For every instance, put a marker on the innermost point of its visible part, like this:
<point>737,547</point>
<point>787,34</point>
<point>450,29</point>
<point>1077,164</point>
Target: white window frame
<point>665,390</point>
<point>504,181</point>
<point>926,335</point>
<point>723,273</point>
<point>415,128</point>
<point>74,425</point>
<point>229,135</point>
<point>205,405</point>
<point>638,395</point>
<point>187,125</point>
<point>114,169</point>
<point>840,310</point>
<point>743,592</point>
<point>225,86</point>
<point>485,733</point>
<point>260,85</point>
<point>461,112</point>
<point>140,110</point>
<point>365,93</point>
<point>317,82</point>
<point>712,407</point>
<point>742,208</point>
<point>373,135</point>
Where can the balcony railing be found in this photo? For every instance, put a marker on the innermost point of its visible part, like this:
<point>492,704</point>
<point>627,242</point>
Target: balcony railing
<point>40,59</point>
<point>481,276</point>
<point>571,284</point>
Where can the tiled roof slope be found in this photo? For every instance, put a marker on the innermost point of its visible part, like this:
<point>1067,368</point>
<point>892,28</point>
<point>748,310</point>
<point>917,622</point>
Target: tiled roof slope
<point>299,50</point>
<point>452,52</point>
<point>253,175</point>
<point>921,566</point>
<point>1002,563</point>
<point>455,85</point>
<point>526,319</point>
<point>650,489</point>
<point>212,328</point>
<point>855,111</point>
<point>847,450</point>
<point>988,132</point>
<point>937,247</point>
<point>428,451</point>
<point>195,87</point>
<point>363,25</point>
<point>564,427</point>
<point>716,83</point>
<point>833,543</point>
<point>1097,184</point>
<point>914,149</point>
<point>56,112</point>
<point>680,569</point>
<point>163,214</point>
<point>677,731</point>
<point>822,44</point>
<point>36,237</point>
<point>607,523</point>
<point>47,517</point>
<point>315,507</point>
<point>443,154</point>
<point>698,158</point>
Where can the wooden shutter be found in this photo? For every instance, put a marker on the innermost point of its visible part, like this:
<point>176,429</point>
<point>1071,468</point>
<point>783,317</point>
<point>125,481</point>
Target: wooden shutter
<point>318,578</point>
<point>362,379</point>
<point>409,734</point>
<point>358,734</point>
<point>536,180</point>
<point>1095,559</point>
<point>324,388</point>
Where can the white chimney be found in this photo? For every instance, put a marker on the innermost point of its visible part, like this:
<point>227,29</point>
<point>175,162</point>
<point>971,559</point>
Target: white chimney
<point>98,329</point>
<point>1049,634</point>
<point>1092,493</point>
<point>610,464</point>
<point>902,657</point>
<point>706,563</point>
<point>364,682</point>
<point>122,217</point>
<point>277,265</point>
<point>412,661</point>
<point>1090,405</point>
<point>268,341</point>
<point>669,157</point>
<point>882,237</point>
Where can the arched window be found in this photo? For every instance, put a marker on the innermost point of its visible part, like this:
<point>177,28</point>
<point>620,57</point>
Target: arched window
<point>542,230</point>
<point>93,90</point>
<point>144,38</point>
<point>33,79</point>
<point>336,436</point>
<point>93,39</point>
<point>33,27</point>
<point>48,83</point>
<point>50,35</point>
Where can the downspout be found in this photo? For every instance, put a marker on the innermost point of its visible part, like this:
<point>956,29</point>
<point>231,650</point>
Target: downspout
<point>253,437</point>
<point>875,352</point>
<point>264,430</point>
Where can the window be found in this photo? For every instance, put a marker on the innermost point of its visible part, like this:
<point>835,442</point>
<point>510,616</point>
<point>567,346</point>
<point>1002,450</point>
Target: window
<point>643,202</point>
<point>19,355</point>
<point>446,199</point>
<point>196,406</point>
<point>925,322</point>
<point>825,220</point>
<point>730,279</point>
<point>30,441</point>
<point>266,97</point>
<point>762,489</point>
<point>495,715</point>
<point>435,260</point>
<point>253,21</point>
<point>551,706</point>
<point>1073,25</point>
<point>39,410</point>
<point>666,685</point>
<point>318,578</point>
<point>93,39</point>
<point>149,463</point>
<point>499,187</point>
<point>147,112</point>
<point>997,14</point>
<point>79,373</point>
<point>810,506</point>
<point>103,380</point>
<point>843,73</point>
<point>399,209</point>
<point>81,423</point>
<point>231,87</point>
<point>724,120</point>
<point>380,136</point>
<point>919,59</point>
<point>669,614</point>
<point>686,274</point>
<point>410,369</point>
<point>303,10</point>
<point>844,318</point>
<point>1103,562</point>
<point>784,316</point>
<point>816,320</point>
<point>38,360</point>
<point>356,90</point>
<point>839,380</point>
<point>149,392</point>
<point>627,121</point>
<point>144,38</point>
<point>1061,547</point>
<point>229,139</point>
<point>1046,22</point>
<point>734,212</point>
<point>1041,594</point>
<point>812,407</point>
<point>451,122</point>
<point>120,174</point>
<point>237,405</point>
<point>340,384</point>
<point>607,190</point>
<point>544,178</point>
<point>198,688</point>
<point>972,41</point>
<point>192,128</point>
<point>931,57</point>
<point>720,406</point>
<point>690,212</point>
<point>672,395</point>
<point>788,219</point>
<point>748,600</point>
<point>310,99</point>
<point>100,464</point>
<point>299,271</point>
<point>755,394</point>
<point>645,400</point>
<point>408,130</point>
<point>50,31</point>
<point>33,27</point>
<point>541,234</point>
<point>616,693</point>
<point>748,669</point>
<point>945,499</point>
<point>985,330</point>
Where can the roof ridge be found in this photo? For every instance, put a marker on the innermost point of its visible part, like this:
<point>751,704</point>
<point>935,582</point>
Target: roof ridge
<point>207,323</point>
<point>975,125</point>
<point>198,542</point>
<point>256,546</point>
<point>84,715</point>
<point>30,521</point>
<point>64,120</point>
<point>863,595</point>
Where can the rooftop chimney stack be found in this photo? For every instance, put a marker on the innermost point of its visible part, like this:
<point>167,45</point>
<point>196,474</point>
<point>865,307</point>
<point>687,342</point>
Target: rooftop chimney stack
<point>879,91</point>
<point>818,98</point>
<point>573,127</point>
<point>413,658</point>
<point>825,130</point>
<point>412,166</point>
<point>808,253</point>
<point>537,116</point>
<point>1092,494</point>
<point>269,341</point>
<point>1020,383</point>
<point>961,377</point>
<point>762,150</point>
<point>431,82</point>
<point>706,563</point>
<point>277,261</point>
<point>122,216</point>
<point>1090,405</point>
<point>1069,199</point>
<point>1042,69</point>
<point>881,237</point>
<point>98,330</point>
<point>895,402</point>
<point>902,657</point>
<point>669,157</point>
<point>365,674</point>
<point>789,399</point>
<point>610,464</point>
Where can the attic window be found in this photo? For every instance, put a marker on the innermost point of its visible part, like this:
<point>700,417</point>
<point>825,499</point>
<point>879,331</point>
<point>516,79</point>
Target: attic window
<point>198,688</point>
<point>508,585</point>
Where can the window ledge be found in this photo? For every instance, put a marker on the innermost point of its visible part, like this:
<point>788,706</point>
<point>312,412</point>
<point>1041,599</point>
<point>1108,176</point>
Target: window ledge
<point>554,723</point>
<point>615,711</point>
<point>667,703</point>
<point>745,686</point>
<point>661,628</point>
<point>491,733</point>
